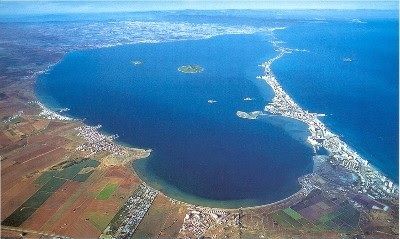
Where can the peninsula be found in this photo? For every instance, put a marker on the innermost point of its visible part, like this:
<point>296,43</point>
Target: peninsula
<point>371,181</point>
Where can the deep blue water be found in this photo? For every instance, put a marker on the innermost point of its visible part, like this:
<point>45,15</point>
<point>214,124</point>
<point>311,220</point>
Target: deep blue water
<point>359,97</point>
<point>203,153</point>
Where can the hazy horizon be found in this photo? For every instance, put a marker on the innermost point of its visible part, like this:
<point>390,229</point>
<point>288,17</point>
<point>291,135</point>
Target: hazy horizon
<point>17,7</point>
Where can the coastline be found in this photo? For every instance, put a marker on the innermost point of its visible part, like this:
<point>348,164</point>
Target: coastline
<point>270,108</point>
<point>372,180</point>
<point>95,140</point>
<point>176,195</point>
<point>144,154</point>
<point>106,196</point>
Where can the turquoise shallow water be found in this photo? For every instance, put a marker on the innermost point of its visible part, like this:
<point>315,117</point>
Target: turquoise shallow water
<point>203,153</point>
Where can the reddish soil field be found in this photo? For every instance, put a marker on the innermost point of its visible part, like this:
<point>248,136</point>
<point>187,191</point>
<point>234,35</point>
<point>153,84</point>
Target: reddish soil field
<point>73,221</point>
<point>37,164</point>
<point>53,125</point>
<point>27,154</point>
<point>5,233</point>
<point>48,209</point>
<point>17,194</point>
<point>4,140</point>
<point>62,129</point>
<point>26,128</point>
<point>13,146</point>
<point>126,176</point>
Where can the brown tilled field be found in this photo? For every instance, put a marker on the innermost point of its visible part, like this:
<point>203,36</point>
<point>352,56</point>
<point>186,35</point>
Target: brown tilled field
<point>19,191</point>
<point>163,220</point>
<point>51,206</point>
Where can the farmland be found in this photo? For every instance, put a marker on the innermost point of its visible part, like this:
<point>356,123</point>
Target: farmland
<point>46,181</point>
<point>50,188</point>
<point>107,191</point>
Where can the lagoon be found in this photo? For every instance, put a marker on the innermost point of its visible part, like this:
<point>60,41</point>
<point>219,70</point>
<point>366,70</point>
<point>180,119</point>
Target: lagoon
<point>202,153</point>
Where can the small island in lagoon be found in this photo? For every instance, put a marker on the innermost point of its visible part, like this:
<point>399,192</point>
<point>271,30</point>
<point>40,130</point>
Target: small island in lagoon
<point>136,62</point>
<point>191,69</point>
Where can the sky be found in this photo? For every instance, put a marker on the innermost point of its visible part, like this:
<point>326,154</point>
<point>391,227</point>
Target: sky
<point>11,7</point>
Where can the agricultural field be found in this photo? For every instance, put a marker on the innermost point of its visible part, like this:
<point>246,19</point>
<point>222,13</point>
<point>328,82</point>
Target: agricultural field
<point>317,213</point>
<point>163,220</point>
<point>49,183</point>
<point>46,182</point>
<point>107,191</point>
<point>49,188</point>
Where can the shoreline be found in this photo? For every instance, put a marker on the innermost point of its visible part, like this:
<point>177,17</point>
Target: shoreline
<point>109,137</point>
<point>208,203</point>
<point>95,140</point>
<point>372,180</point>
<point>270,108</point>
<point>86,171</point>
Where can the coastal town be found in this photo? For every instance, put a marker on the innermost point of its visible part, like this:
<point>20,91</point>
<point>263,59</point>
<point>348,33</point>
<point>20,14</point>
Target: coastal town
<point>49,114</point>
<point>251,115</point>
<point>96,141</point>
<point>63,178</point>
<point>199,219</point>
<point>371,180</point>
<point>132,213</point>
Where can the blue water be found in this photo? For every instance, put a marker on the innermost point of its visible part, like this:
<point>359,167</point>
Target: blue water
<point>202,153</point>
<point>359,97</point>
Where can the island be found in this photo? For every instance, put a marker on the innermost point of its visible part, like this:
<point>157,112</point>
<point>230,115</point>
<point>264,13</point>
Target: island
<point>191,69</point>
<point>137,62</point>
<point>251,115</point>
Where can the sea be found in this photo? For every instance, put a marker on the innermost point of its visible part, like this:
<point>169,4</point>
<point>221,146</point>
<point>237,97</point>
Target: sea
<point>203,153</point>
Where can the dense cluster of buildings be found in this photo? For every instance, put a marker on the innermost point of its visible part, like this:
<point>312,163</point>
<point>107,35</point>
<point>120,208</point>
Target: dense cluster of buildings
<point>134,210</point>
<point>13,117</point>
<point>49,114</point>
<point>198,220</point>
<point>340,153</point>
<point>96,141</point>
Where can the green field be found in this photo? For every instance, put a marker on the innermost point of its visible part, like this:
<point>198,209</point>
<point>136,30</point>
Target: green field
<point>50,181</point>
<point>107,191</point>
<point>345,218</point>
<point>100,220</point>
<point>295,215</point>
<point>291,219</point>
<point>69,170</point>
<point>33,203</point>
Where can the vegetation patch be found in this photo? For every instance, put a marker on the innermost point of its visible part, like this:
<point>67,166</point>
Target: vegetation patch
<point>295,215</point>
<point>107,191</point>
<point>100,220</point>
<point>345,218</point>
<point>50,181</point>
<point>33,203</point>
<point>71,169</point>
